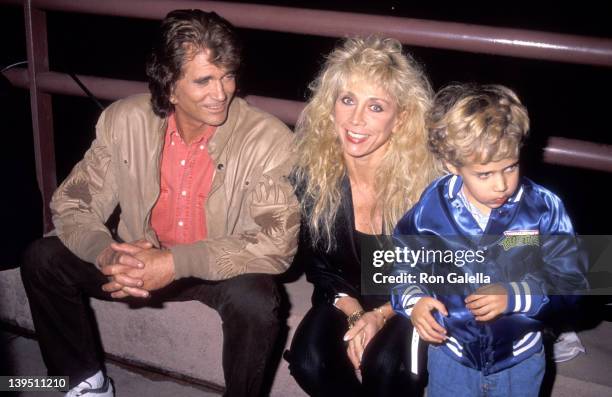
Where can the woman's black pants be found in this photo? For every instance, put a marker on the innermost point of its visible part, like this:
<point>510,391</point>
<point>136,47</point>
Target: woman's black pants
<point>392,363</point>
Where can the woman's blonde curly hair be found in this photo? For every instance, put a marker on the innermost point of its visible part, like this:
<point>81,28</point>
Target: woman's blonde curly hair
<point>407,167</point>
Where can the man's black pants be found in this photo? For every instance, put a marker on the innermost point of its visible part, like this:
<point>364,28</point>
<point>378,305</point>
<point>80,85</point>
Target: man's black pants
<point>58,285</point>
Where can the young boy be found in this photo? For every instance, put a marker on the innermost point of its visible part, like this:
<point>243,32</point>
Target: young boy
<point>502,243</point>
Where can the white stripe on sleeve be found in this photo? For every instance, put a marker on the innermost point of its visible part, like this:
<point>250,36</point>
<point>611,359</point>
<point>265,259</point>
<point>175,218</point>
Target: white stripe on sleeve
<point>517,297</point>
<point>527,297</point>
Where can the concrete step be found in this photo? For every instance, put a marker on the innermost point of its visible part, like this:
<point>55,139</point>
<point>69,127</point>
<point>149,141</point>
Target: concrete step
<point>23,358</point>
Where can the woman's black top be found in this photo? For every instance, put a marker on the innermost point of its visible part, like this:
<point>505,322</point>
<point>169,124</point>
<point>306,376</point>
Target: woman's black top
<point>338,270</point>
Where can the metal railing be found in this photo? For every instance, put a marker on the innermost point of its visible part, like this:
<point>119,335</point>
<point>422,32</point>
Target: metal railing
<point>43,82</point>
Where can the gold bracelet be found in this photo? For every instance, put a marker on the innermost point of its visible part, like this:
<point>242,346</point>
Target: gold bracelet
<point>379,309</point>
<point>354,317</point>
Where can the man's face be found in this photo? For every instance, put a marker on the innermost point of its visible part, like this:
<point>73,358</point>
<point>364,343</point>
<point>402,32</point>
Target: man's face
<point>203,95</point>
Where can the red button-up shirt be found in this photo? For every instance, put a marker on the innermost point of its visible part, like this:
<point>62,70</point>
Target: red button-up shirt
<point>187,171</point>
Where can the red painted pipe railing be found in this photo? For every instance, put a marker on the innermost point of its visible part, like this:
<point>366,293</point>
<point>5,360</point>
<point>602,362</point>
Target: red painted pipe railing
<point>444,35</point>
<point>112,89</point>
<point>575,153</point>
<point>562,151</point>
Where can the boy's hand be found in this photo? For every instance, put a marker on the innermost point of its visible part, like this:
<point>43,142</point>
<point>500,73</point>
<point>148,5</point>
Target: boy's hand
<point>426,325</point>
<point>487,302</point>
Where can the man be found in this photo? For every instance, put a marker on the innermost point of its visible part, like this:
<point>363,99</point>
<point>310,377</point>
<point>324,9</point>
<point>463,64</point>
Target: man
<point>206,209</point>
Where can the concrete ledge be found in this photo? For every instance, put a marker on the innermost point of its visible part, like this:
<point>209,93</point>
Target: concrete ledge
<point>160,337</point>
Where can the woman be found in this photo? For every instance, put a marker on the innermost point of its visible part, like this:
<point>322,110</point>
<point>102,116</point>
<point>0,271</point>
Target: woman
<point>362,163</point>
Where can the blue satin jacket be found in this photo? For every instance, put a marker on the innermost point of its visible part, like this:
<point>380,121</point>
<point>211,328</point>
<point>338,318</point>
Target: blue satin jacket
<point>528,246</point>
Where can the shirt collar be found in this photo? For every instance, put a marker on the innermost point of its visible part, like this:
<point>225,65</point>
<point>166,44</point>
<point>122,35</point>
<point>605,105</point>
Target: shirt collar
<point>480,218</point>
<point>173,133</point>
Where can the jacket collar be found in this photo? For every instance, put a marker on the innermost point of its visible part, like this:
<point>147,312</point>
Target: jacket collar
<point>224,132</point>
<point>499,219</point>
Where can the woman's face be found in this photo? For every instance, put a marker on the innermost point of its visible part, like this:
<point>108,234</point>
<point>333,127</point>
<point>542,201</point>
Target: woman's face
<point>365,117</point>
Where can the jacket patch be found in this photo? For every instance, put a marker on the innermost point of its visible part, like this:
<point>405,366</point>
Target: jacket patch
<point>271,222</point>
<point>520,238</point>
<point>249,238</point>
<point>78,189</point>
<point>270,210</point>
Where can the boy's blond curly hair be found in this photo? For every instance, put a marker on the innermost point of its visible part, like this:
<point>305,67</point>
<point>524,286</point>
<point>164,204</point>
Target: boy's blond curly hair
<point>472,123</point>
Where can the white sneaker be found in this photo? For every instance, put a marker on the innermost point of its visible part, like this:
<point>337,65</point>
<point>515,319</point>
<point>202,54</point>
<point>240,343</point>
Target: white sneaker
<point>97,385</point>
<point>567,346</point>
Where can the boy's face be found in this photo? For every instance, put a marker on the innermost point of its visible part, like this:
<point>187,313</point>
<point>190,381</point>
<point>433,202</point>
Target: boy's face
<point>488,185</point>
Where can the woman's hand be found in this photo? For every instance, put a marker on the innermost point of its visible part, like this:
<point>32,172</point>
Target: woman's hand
<point>364,330</point>
<point>361,334</point>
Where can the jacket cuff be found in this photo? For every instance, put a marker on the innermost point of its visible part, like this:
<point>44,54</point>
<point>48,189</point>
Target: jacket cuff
<point>403,299</point>
<point>524,297</point>
<point>191,260</point>
<point>94,243</point>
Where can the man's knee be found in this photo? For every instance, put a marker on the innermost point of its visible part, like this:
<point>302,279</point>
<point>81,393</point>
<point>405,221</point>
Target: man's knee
<point>253,298</point>
<point>48,261</point>
<point>36,258</point>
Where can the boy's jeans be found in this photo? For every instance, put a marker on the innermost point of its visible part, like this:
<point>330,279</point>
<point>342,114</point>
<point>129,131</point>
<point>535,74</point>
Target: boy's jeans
<point>447,377</point>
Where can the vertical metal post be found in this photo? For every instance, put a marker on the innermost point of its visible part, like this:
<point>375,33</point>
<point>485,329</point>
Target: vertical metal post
<point>42,114</point>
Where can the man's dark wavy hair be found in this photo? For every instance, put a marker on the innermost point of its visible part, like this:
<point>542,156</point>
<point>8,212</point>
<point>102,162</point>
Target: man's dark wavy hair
<point>184,33</point>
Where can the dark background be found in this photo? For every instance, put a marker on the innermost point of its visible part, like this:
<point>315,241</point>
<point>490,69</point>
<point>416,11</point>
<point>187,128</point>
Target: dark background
<point>563,99</point>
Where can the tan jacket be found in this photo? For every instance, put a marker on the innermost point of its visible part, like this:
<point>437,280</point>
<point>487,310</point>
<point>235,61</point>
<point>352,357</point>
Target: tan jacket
<point>251,212</point>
